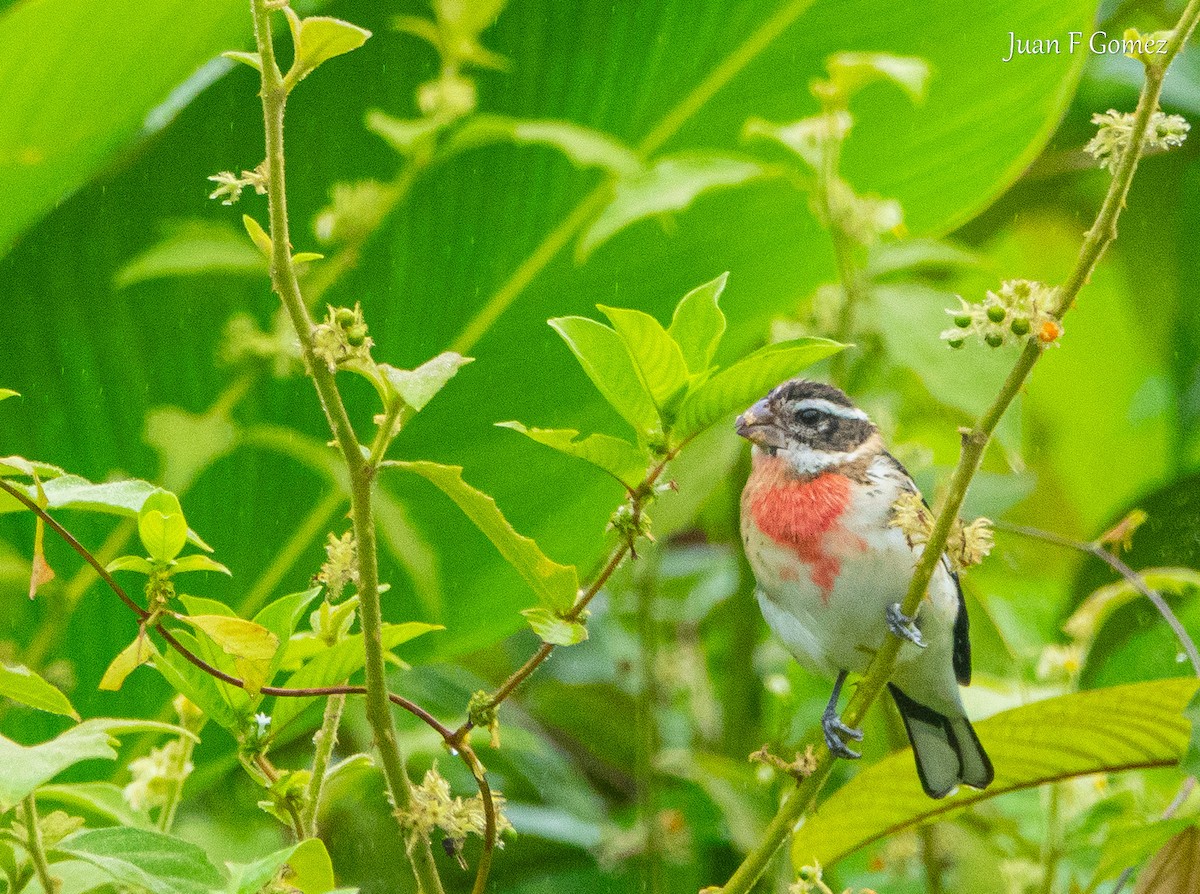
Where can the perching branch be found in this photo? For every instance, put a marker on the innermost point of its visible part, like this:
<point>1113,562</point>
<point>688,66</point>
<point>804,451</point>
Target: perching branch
<point>974,442</point>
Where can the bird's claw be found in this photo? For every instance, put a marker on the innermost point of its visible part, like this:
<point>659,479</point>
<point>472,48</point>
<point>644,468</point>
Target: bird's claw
<point>836,732</point>
<point>904,626</point>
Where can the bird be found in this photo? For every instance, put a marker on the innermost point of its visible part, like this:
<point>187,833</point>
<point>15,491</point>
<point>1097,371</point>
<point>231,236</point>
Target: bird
<point>831,570</point>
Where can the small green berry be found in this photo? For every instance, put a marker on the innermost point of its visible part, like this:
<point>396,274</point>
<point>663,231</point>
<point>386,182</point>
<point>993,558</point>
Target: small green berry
<point>994,339</point>
<point>345,317</point>
<point>356,336</point>
<point>996,313</point>
<point>1020,326</point>
<point>956,343</point>
<point>962,321</point>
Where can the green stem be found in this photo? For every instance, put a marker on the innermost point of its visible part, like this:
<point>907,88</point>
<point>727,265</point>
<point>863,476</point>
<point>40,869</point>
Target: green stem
<point>1051,843</point>
<point>974,442</point>
<point>645,773</point>
<point>178,775</point>
<point>283,277</point>
<point>324,741</point>
<point>35,847</point>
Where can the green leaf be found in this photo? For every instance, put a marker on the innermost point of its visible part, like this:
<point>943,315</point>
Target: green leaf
<point>191,248</point>
<point>1132,847</point>
<point>145,859</point>
<point>555,630</point>
<point>698,324</point>
<point>1085,622</point>
<point>260,237</point>
<point>583,146</point>
<point>198,562</point>
<point>251,645</point>
<point>417,387</point>
<point>6,393</point>
<point>161,526</point>
<point>670,184</point>
<point>280,618</point>
<point>310,870</point>
<point>1098,731</point>
<point>187,443</point>
<point>318,39</point>
<point>216,699</point>
<point>619,458</point>
<point>403,135</point>
<point>555,585</point>
<point>605,359</point>
<point>126,662</point>
<point>22,685</point>
<point>850,72</point>
<point>658,358</point>
<point>102,800</point>
<point>335,665</point>
<point>28,766</point>
<point>737,387</point>
<point>254,60</point>
<point>1175,868</point>
<point>139,564</point>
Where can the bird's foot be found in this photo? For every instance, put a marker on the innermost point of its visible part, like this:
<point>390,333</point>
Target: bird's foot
<point>904,626</point>
<point>837,732</point>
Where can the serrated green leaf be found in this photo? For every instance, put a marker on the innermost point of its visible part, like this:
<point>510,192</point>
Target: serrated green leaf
<point>403,135</point>
<point>583,146</point>
<point>555,585</point>
<point>850,72</point>
<point>670,184</point>
<point>254,60</point>
<point>619,458</point>
<point>20,684</point>
<point>698,324</point>
<point>735,388</point>
<point>606,360</point>
<point>417,387</point>
<point>198,562</point>
<point>318,39</point>
<point>140,564</point>
<point>126,662</point>
<point>658,358</point>
<point>555,630</point>
<point>145,859</point>
<point>251,646</point>
<point>259,236</point>
<point>1098,731</point>
<point>189,249</point>
<point>310,870</point>
<point>335,665</point>
<point>161,526</point>
<point>27,767</point>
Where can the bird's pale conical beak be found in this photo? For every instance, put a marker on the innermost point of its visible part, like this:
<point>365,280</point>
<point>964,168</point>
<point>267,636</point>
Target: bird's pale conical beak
<point>758,426</point>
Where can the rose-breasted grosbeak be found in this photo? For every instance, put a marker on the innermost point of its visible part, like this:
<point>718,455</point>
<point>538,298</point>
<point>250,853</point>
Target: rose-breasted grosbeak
<point>831,572</point>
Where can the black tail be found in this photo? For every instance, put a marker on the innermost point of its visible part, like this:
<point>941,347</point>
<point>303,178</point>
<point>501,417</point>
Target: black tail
<point>946,749</point>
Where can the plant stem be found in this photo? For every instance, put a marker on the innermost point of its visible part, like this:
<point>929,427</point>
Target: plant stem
<point>283,277</point>
<point>645,773</point>
<point>1051,842</point>
<point>324,741</point>
<point>35,847</point>
<point>974,442</point>
<point>178,775</point>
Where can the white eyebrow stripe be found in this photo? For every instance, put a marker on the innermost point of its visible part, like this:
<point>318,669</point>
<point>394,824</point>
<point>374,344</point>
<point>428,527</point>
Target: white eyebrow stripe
<point>828,406</point>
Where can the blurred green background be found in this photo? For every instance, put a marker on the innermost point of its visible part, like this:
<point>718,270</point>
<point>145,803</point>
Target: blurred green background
<point>96,164</point>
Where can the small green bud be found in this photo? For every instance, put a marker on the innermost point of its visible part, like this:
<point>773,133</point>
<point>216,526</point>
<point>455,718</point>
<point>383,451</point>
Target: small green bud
<point>996,313</point>
<point>962,321</point>
<point>956,343</point>
<point>1020,326</point>
<point>994,339</point>
<point>345,317</point>
<point>356,336</point>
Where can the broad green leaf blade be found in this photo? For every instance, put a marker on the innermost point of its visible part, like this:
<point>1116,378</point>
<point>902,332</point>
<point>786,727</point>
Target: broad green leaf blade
<point>280,618</point>
<point>103,800</point>
<point>145,859</point>
<point>555,585</point>
<point>555,630</point>
<point>1098,731</point>
<point>161,526</point>
<point>418,386</point>
<point>606,360</point>
<point>656,355</point>
<point>126,662</point>
<point>698,324</point>
<point>670,184</point>
<point>83,79</point>
<point>193,248</point>
<point>335,665</point>
<point>311,870</point>
<point>584,146</point>
<point>131,563</point>
<point>199,562</point>
<point>211,696</point>
<point>20,684</point>
<point>619,458</point>
<point>27,767</point>
<point>1175,868</point>
<point>318,39</point>
<point>251,645</point>
<point>737,387</point>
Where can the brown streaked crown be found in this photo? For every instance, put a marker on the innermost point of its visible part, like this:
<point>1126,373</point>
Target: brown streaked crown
<point>819,416</point>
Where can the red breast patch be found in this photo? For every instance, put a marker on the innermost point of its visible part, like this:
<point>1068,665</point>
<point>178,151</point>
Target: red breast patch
<point>798,513</point>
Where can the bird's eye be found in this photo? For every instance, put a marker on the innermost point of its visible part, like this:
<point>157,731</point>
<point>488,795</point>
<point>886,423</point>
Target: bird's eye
<point>809,416</point>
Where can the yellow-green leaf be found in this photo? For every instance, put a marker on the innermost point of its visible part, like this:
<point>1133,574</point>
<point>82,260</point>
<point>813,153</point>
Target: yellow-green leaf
<point>130,563</point>
<point>127,661</point>
<point>318,39</point>
<point>198,562</point>
<point>6,393</point>
<point>417,387</point>
<point>251,645</point>
<point>656,355</point>
<point>619,458</point>
<point>556,585</point>
<point>1097,731</point>
<point>257,234</point>
<point>698,324</point>
<point>161,526</point>
<point>553,629</point>
<point>20,684</point>
<point>254,60</point>
<point>1094,611</point>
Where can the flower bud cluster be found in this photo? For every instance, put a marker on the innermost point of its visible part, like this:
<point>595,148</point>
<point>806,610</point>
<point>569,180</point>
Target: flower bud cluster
<point>1111,141</point>
<point>966,545</point>
<point>342,337</point>
<point>341,564</point>
<point>156,775</point>
<point>1020,309</point>
<point>230,185</point>
<point>432,807</point>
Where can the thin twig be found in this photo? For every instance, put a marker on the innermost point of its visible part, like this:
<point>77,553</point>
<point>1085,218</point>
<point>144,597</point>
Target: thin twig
<point>35,847</point>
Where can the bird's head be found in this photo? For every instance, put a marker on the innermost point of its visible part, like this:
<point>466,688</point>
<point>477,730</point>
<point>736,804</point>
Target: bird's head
<point>812,426</point>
